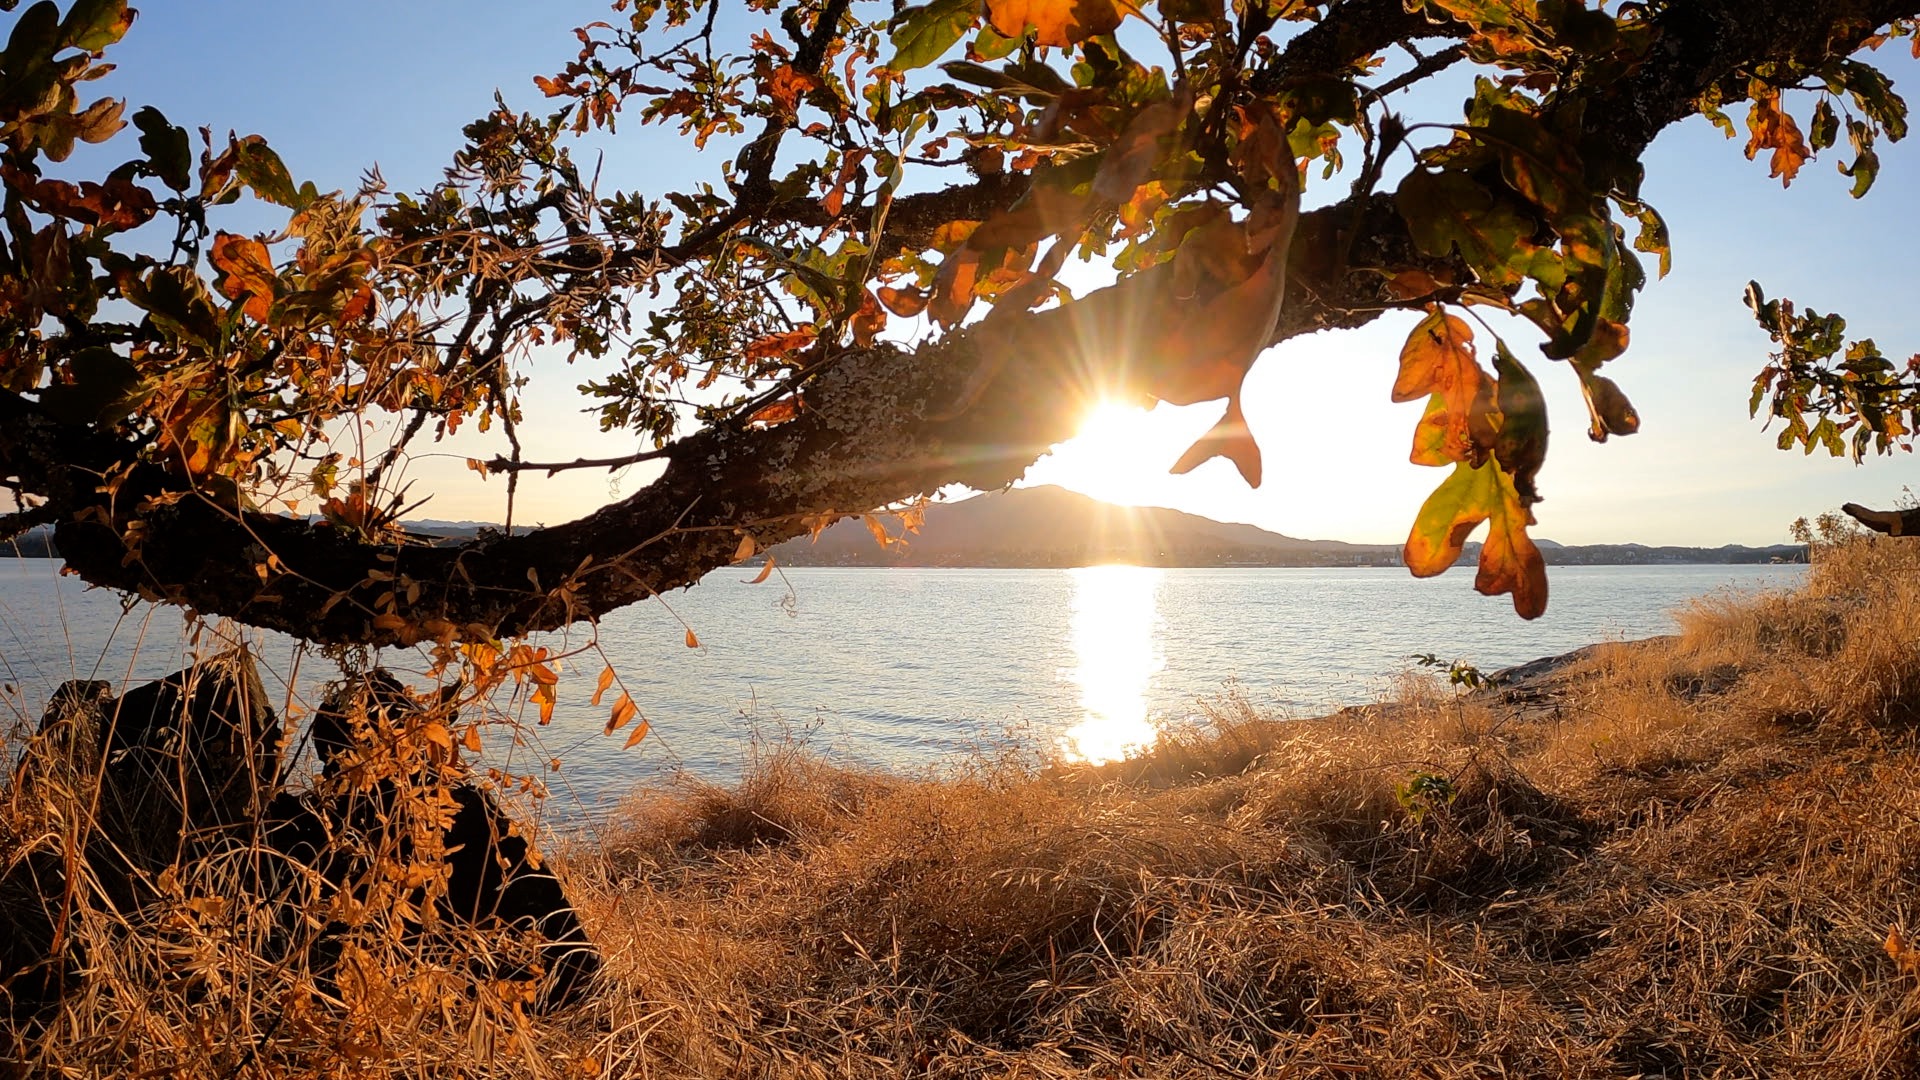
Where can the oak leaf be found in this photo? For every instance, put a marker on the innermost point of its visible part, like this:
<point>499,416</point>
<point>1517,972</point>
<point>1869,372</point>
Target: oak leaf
<point>246,271</point>
<point>905,303</point>
<point>1229,439</point>
<point>782,343</point>
<point>1438,360</point>
<point>1509,561</point>
<point>1057,23</point>
<point>1772,128</point>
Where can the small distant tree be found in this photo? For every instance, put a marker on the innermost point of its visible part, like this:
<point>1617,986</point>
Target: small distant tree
<point>170,391</point>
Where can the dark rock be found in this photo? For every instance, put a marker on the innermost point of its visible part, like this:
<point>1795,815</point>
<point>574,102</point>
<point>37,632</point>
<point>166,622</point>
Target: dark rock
<point>495,877</point>
<point>190,764</point>
<point>41,958</point>
<point>175,767</point>
<point>188,757</point>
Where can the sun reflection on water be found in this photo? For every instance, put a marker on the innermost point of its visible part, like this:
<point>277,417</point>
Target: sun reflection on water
<point>1115,619</point>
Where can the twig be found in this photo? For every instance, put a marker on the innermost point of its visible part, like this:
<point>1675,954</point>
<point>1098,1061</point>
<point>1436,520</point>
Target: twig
<point>507,465</point>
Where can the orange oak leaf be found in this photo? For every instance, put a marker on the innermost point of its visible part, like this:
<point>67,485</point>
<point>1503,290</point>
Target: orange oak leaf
<point>623,711</point>
<point>786,86</point>
<point>905,303</point>
<point>1229,439</point>
<point>246,270</point>
<point>1771,127</point>
<point>837,195</point>
<point>868,321</point>
<point>1438,360</point>
<point>1057,23</point>
<point>1131,160</point>
<point>782,343</point>
<point>778,412</point>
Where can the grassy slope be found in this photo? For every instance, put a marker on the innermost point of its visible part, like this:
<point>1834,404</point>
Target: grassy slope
<point>1681,858</point>
<point>1672,859</point>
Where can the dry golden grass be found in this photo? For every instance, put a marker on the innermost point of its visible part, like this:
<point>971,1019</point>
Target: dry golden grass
<point>1673,858</point>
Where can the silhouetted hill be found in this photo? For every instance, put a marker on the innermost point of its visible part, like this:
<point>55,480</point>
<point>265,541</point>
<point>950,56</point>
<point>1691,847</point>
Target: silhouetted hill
<point>1051,526</point>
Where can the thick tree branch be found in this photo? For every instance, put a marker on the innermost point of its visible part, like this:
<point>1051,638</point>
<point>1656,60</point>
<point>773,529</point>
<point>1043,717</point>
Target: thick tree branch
<point>867,434</point>
<point>862,440</point>
<point>1890,522</point>
<point>1702,42</point>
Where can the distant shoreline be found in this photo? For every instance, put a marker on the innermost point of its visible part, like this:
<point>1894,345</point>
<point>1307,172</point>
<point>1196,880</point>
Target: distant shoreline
<point>1465,560</point>
<point>1048,528</point>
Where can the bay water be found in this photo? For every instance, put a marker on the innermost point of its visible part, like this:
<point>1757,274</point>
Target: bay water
<point>906,667</point>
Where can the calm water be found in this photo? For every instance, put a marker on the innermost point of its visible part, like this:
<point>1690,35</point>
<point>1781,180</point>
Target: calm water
<point>909,666</point>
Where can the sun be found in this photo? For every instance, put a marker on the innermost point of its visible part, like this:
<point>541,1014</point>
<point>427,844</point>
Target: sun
<point>1117,446</point>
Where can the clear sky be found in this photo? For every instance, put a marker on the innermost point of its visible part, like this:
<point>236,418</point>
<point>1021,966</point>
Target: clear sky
<point>341,86</point>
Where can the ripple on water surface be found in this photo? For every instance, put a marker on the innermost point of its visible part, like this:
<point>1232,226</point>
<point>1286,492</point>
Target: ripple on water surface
<point>908,666</point>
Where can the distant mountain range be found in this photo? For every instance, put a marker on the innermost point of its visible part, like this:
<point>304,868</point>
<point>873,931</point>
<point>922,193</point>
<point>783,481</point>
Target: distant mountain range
<point>1051,526</point>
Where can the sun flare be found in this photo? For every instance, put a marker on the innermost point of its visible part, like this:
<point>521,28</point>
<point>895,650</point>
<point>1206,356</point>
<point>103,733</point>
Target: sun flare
<point>1116,445</point>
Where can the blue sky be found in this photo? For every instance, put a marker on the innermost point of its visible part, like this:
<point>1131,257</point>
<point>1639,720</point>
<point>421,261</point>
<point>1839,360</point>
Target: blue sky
<point>338,87</point>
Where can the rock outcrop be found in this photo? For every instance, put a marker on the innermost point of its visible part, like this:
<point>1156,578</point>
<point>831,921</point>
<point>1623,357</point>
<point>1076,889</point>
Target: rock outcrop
<point>191,765</point>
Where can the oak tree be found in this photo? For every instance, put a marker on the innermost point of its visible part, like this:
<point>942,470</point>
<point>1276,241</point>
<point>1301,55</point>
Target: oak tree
<point>170,390</point>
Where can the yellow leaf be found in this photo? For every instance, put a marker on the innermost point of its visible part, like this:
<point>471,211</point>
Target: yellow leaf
<point>544,696</point>
<point>745,550</point>
<point>692,642</point>
<point>639,732</point>
<point>623,711</point>
<point>472,738</point>
<point>606,680</point>
<point>542,674</point>
<point>765,571</point>
<point>436,733</point>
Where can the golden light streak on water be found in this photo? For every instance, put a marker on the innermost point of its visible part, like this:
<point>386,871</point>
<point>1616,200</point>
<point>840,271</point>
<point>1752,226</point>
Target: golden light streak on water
<point>1116,624</point>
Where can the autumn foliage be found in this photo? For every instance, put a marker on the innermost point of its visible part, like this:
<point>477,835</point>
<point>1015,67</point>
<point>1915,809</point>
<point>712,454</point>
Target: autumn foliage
<point>874,285</point>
